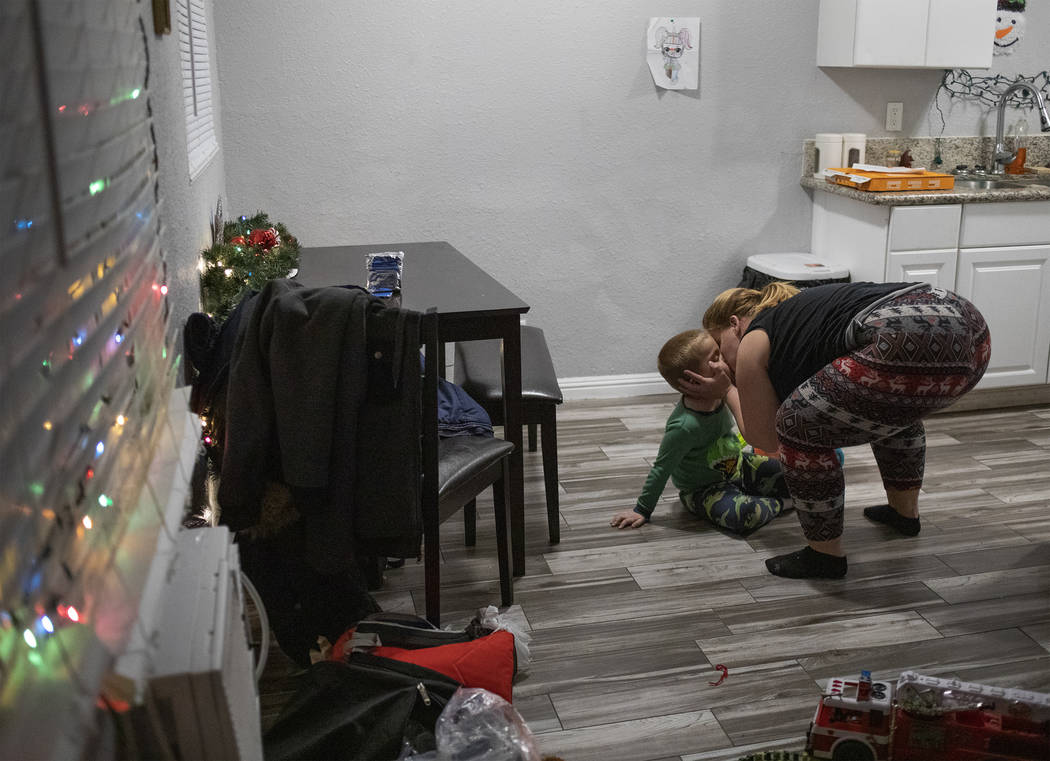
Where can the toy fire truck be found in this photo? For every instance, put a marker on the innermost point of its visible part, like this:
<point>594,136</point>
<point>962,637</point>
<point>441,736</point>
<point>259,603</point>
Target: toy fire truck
<point>928,719</point>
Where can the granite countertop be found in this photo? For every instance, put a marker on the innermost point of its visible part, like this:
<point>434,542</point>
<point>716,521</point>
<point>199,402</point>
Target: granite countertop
<point>1030,192</point>
<point>941,153</point>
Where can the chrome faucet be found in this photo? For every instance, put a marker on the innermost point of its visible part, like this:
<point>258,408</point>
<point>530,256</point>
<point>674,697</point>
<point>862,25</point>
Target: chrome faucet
<point>1000,156</point>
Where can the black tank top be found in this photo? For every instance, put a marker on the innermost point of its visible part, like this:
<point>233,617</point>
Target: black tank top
<point>808,330</point>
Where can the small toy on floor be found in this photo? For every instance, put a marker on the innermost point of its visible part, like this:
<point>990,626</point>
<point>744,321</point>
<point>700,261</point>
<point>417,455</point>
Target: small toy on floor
<point>865,718</point>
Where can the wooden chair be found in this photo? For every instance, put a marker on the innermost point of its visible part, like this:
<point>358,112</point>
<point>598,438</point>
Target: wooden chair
<point>455,471</point>
<point>479,371</point>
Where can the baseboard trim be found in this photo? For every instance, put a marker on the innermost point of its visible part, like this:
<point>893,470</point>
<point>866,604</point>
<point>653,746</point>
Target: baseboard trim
<point>612,386</point>
<point>1000,398</point>
<point>645,384</point>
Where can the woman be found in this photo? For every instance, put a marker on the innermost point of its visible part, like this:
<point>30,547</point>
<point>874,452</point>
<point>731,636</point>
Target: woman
<point>840,365</point>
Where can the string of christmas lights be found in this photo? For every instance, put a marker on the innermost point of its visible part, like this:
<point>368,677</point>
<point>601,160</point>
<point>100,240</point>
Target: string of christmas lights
<point>960,84</point>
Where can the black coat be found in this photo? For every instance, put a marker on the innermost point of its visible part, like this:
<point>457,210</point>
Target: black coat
<point>325,395</point>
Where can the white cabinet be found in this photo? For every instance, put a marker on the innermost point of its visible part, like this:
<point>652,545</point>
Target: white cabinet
<point>887,243</point>
<point>1017,223</point>
<point>934,267</point>
<point>923,244</point>
<point>910,34</point>
<point>1011,287</point>
<point>997,255</point>
<point>1004,268</point>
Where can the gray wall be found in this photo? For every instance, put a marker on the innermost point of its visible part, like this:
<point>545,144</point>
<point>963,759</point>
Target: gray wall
<point>531,136</point>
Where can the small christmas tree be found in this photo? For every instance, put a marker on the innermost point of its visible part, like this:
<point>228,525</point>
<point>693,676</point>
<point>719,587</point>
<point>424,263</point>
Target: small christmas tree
<point>244,256</point>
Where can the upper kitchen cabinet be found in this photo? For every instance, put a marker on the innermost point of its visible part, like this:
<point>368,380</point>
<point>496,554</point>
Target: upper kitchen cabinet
<point>906,34</point>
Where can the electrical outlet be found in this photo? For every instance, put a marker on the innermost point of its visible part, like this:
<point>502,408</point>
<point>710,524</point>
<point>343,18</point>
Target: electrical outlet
<point>894,117</point>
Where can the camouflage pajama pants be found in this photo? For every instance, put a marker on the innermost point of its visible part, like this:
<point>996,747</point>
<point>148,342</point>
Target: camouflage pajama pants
<point>751,497</point>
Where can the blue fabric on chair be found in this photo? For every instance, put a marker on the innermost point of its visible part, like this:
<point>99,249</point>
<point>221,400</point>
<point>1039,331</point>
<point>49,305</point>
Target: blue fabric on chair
<point>459,414</point>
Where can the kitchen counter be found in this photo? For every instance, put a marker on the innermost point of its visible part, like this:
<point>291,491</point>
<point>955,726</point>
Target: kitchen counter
<point>1031,192</point>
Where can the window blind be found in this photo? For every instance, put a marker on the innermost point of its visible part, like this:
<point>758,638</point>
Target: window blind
<point>201,144</point>
<point>87,359</point>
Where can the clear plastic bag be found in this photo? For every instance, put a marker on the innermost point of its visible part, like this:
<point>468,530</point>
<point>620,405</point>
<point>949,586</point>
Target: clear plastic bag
<point>490,618</point>
<point>478,725</point>
<point>384,273</point>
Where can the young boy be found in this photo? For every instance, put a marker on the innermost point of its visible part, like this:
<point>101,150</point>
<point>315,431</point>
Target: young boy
<point>703,456</point>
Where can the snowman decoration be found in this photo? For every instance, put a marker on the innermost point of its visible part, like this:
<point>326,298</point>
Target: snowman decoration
<point>1009,26</point>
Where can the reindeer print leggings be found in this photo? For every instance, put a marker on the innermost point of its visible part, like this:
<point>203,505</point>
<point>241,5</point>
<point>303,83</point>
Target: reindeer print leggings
<point>916,353</point>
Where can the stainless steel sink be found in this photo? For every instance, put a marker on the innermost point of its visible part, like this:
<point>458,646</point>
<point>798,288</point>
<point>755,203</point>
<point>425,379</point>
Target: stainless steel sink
<point>968,183</point>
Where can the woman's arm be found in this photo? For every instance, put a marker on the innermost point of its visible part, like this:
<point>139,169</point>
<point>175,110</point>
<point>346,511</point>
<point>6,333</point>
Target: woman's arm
<point>733,403</point>
<point>703,389</point>
<point>758,402</point>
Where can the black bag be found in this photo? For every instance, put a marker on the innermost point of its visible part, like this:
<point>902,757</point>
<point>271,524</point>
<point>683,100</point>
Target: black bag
<point>390,629</point>
<point>361,710</point>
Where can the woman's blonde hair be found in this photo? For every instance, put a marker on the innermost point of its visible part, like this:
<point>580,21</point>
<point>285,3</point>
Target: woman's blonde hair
<point>684,352</point>
<point>745,302</point>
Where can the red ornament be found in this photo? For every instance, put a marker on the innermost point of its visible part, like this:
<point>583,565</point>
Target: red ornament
<point>237,240</point>
<point>264,239</point>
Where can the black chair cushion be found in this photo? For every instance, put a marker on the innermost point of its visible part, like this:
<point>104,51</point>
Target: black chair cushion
<point>461,457</point>
<point>478,369</point>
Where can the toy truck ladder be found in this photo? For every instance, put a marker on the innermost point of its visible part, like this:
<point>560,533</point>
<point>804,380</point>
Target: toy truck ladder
<point>953,694</point>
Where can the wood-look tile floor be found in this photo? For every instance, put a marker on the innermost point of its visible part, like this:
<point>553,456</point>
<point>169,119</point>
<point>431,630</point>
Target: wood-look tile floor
<point>627,626</point>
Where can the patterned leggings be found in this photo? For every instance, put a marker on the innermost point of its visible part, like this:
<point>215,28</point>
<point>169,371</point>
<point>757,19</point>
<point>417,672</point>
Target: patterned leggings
<point>747,500</point>
<point>916,354</point>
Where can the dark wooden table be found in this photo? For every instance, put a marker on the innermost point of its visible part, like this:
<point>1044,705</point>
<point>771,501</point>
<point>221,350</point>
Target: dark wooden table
<point>471,305</point>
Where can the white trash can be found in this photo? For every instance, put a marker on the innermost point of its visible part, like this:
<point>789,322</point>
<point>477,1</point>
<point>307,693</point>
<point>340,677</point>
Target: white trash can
<point>801,270</point>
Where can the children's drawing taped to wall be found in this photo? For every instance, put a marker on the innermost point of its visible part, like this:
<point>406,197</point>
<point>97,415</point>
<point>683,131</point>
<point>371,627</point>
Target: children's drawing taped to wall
<point>673,52</point>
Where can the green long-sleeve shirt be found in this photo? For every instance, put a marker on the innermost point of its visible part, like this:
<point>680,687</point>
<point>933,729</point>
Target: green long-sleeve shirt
<point>697,450</point>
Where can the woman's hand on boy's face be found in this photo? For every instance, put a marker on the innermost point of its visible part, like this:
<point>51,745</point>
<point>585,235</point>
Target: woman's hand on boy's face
<point>705,389</point>
<point>627,519</point>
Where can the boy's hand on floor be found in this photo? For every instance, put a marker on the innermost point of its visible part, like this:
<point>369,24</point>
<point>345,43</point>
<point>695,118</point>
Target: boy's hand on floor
<point>627,519</point>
